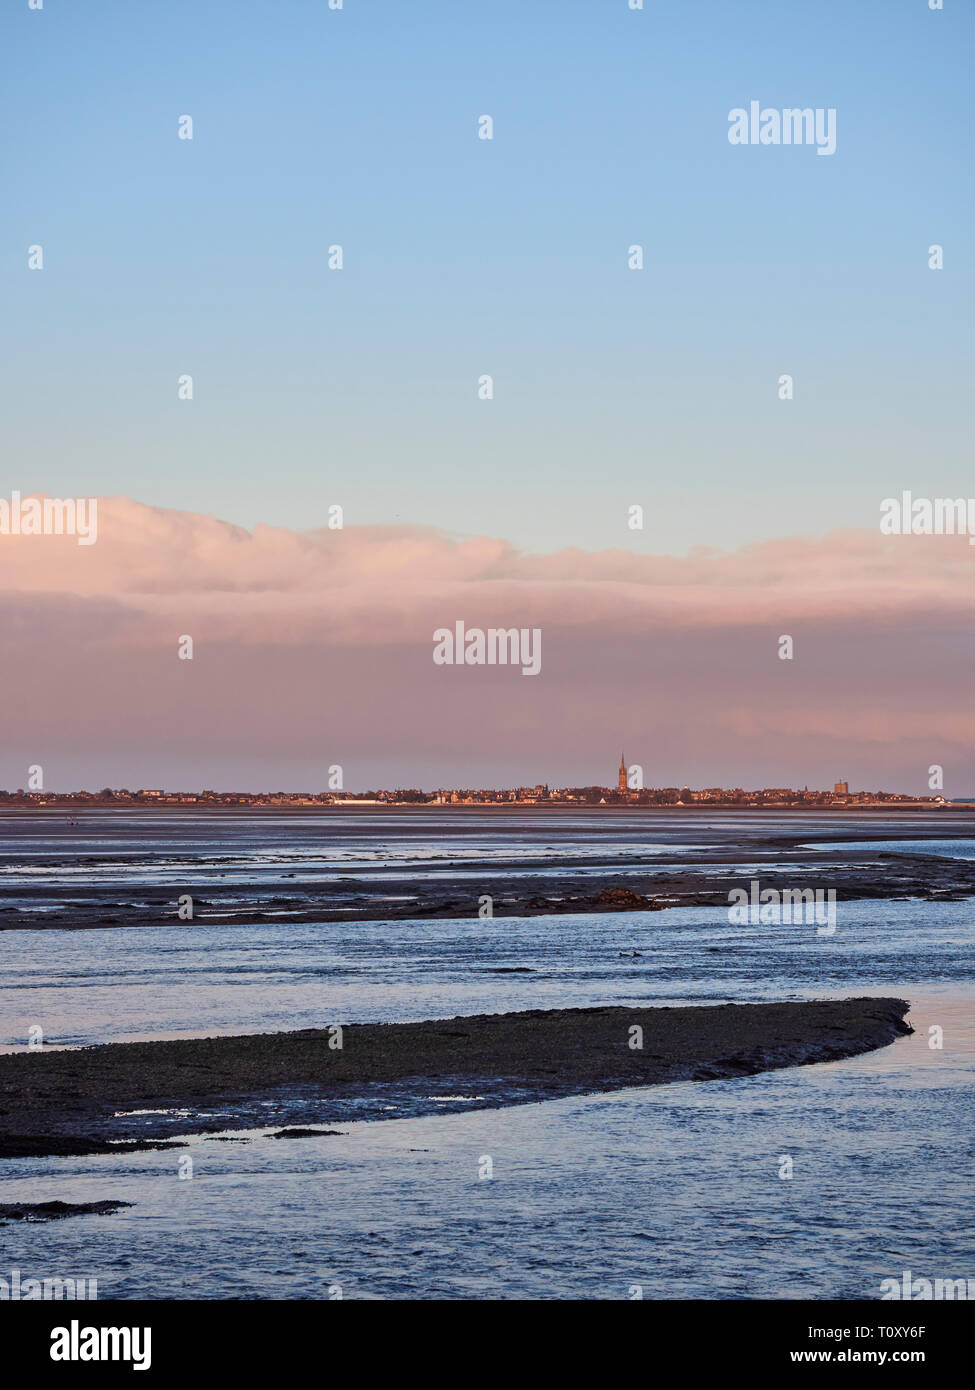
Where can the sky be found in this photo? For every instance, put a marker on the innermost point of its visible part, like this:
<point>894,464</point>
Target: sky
<point>462,257</point>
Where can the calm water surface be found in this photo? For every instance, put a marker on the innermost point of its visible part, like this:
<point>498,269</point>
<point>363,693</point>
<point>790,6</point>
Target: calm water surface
<point>673,1188</point>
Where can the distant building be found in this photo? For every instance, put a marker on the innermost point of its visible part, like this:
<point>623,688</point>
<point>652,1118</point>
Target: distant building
<point>841,789</point>
<point>621,782</point>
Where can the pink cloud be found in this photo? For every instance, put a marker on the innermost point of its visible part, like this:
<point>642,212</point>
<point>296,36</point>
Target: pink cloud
<point>278,584</point>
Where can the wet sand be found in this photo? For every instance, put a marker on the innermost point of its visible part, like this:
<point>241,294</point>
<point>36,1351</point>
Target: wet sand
<point>552,884</point>
<point>68,1102</point>
<point>556,891</point>
<point>560,890</point>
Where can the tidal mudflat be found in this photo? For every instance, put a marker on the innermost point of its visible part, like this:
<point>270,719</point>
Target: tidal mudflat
<point>78,1101</point>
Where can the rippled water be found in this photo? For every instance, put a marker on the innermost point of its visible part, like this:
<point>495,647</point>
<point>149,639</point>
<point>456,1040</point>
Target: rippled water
<point>183,978</point>
<point>673,1188</point>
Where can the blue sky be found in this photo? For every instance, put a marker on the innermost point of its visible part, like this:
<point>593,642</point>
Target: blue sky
<point>506,257</point>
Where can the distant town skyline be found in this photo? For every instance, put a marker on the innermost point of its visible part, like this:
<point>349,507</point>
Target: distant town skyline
<point>539,794</point>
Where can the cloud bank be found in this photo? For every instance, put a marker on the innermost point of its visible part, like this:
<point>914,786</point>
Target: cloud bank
<point>315,647</point>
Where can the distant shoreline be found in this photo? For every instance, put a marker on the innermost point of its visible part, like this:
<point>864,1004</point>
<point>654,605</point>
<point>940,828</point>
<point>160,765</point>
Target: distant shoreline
<point>93,1099</point>
<point>698,808</point>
